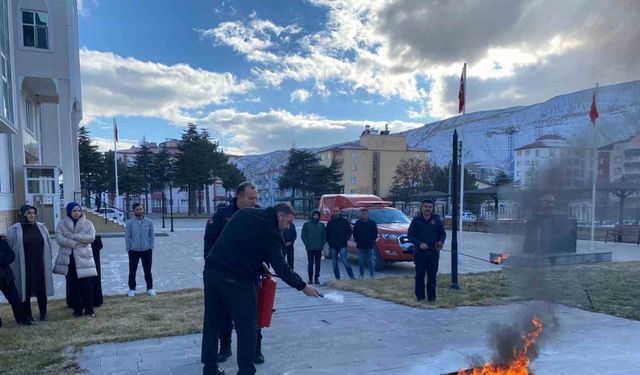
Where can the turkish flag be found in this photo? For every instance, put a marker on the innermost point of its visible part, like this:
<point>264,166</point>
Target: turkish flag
<point>593,113</point>
<point>461,91</point>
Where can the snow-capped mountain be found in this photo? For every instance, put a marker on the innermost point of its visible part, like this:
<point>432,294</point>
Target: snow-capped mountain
<point>565,115</point>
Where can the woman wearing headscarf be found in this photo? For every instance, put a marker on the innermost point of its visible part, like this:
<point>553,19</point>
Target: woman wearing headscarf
<point>75,234</point>
<point>32,267</point>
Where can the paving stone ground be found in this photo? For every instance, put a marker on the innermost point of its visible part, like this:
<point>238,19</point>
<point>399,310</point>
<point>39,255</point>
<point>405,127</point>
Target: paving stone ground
<point>362,335</point>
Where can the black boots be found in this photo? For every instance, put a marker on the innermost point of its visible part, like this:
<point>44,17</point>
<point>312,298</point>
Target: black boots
<point>225,351</point>
<point>212,371</point>
<point>259,357</point>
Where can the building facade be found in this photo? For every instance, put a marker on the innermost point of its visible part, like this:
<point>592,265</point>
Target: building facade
<point>368,165</point>
<point>41,106</point>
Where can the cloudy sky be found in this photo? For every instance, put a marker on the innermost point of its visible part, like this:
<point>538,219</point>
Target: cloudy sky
<point>263,75</point>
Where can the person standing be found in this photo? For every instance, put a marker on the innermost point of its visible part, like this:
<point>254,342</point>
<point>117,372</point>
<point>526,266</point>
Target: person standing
<point>365,234</point>
<point>289,236</point>
<point>338,234</point>
<point>7,283</point>
<point>314,238</point>
<point>139,240</point>
<point>232,268</point>
<point>74,235</point>
<point>427,235</point>
<point>31,244</point>
<point>246,197</point>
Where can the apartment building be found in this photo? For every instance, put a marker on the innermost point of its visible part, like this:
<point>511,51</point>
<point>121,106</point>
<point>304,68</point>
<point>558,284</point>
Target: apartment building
<point>40,107</point>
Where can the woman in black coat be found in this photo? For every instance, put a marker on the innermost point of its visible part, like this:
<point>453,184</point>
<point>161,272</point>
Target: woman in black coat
<point>7,283</point>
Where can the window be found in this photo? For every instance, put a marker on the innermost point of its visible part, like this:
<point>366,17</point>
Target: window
<point>35,29</point>
<point>353,179</point>
<point>527,152</point>
<point>28,112</point>
<point>353,154</point>
<point>354,167</point>
<point>537,152</point>
<point>618,159</point>
<point>519,153</point>
<point>617,171</point>
<point>552,152</point>
<point>6,103</point>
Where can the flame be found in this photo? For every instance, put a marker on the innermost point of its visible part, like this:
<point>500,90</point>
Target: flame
<point>520,360</point>
<point>500,258</point>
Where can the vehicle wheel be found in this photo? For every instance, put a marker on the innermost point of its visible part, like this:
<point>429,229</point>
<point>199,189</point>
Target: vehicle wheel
<point>326,252</point>
<point>380,263</point>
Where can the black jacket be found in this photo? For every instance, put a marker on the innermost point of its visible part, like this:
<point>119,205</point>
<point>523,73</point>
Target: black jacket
<point>251,237</point>
<point>7,256</point>
<point>216,224</point>
<point>365,234</point>
<point>290,235</point>
<point>423,231</point>
<point>338,232</point>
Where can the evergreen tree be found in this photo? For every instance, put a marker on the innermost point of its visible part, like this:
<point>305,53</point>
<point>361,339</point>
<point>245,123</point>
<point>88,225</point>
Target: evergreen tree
<point>92,168</point>
<point>297,172</point>
<point>162,171</point>
<point>231,176</point>
<point>193,166</point>
<point>411,177</point>
<point>325,180</point>
<point>143,167</point>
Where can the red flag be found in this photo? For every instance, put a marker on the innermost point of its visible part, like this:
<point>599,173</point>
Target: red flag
<point>115,130</point>
<point>463,79</point>
<point>593,113</point>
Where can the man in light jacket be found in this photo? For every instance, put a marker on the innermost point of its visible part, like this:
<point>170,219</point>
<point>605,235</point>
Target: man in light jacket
<point>138,239</point>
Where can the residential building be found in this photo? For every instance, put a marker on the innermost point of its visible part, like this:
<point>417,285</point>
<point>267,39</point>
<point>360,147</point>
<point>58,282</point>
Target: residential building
<point>40,107</point>
<point>618,162</point>
<point>369,164</point>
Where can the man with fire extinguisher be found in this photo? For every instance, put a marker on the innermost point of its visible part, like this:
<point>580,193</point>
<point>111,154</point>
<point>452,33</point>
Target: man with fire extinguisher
<point>246,196</point>
<point>252,236</point>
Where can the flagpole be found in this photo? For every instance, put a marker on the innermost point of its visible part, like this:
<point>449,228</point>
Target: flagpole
<point>462,139</point>
<point>115,160</point>
<point>594,172</point>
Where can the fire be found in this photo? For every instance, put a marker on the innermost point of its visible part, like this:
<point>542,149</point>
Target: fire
<point>500,258</point>
<point>520,360</point>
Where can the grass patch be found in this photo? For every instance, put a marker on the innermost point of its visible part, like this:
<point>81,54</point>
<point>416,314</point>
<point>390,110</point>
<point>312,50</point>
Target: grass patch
<point>49,347</point>
<point>614,288</point>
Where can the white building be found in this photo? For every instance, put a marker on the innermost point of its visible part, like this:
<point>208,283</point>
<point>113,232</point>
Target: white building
<point>40,106</point>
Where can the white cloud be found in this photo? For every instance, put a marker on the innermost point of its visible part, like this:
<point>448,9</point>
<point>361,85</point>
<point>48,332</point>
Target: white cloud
<point>113,85</point>
<point>300,95</point>
<point>245,132</point>
<point>106,144</point>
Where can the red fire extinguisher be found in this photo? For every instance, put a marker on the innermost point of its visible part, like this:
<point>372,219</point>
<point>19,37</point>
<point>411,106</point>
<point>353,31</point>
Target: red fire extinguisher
<point>266,297</point>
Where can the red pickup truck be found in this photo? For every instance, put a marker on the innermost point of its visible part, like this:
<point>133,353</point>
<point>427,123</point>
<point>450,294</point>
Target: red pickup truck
<point>392,244</point>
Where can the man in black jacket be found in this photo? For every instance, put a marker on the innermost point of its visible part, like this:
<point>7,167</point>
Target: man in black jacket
<point>246,196</point>
<point>8,285</point>
<point>365,233</point>
<point>427,234</point>
<point>338,233</point>
<point>252,237</point>
<point>289,235</point>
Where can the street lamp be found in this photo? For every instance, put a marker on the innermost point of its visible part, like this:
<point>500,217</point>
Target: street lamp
<point>171,205</point>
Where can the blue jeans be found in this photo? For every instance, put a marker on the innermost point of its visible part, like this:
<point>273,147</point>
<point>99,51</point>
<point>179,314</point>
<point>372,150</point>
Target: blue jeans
<point>342,253</point>
<point>366,255</point>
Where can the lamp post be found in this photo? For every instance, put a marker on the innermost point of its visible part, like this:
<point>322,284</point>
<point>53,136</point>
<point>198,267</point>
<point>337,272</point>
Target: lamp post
<point>171,205</point>
<point>164,208</point>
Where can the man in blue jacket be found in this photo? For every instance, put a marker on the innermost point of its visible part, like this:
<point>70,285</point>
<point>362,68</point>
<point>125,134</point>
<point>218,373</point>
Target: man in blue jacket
<point>246,196</point>
<point>427,234</point>
<point>139,240</point>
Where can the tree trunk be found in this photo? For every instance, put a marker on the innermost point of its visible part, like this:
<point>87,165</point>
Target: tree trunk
<point>192,200</point>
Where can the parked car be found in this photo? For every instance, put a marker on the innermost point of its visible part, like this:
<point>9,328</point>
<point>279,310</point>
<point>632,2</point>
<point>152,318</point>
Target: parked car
<point>392,244</point>
<point>110,213</point>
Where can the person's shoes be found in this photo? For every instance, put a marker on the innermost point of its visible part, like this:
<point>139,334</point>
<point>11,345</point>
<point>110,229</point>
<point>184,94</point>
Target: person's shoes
<point>310,281</point>
<point>43,317</point>
<point>420,300</point>
<point>151,292</point>
<point>259,358</point>
<point>131,293</point>
<point>224,354</point>
<point>207,371</point>
<point>431,301</point>
<point>317,281</point>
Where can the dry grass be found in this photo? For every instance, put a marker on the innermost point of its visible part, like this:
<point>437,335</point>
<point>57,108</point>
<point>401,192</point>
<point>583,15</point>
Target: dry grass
<point>614,288</point>
<point>41,348</point>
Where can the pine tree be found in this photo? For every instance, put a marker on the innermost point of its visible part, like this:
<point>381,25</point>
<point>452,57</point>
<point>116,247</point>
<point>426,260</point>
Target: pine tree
<point>297,172</point>
<point>92,168</point>
<point>143,167</point>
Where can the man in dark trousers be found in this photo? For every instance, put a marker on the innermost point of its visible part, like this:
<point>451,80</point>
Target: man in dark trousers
<point>427,234</point>
<point>289,236</point>
<point>365,234</point>
<point>246,196</point>
<point>338,233</point>
<point>252,237</point>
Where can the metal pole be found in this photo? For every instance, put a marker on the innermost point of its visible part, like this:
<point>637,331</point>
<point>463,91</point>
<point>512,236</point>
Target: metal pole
<point>171,205</point>
<point>593,182</point>
<point>462,141</point>
<point>163,208</point>
<point>454,214</point>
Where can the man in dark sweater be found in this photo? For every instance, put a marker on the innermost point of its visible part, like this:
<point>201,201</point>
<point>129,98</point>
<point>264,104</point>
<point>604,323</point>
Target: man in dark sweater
<point>246,196</point>
<point>427,234</point>
<point>289,236</point>
<point>338,233</point>
<point>365,233</point>
<point>252,237</point>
